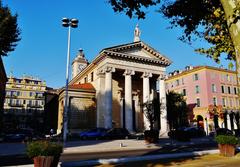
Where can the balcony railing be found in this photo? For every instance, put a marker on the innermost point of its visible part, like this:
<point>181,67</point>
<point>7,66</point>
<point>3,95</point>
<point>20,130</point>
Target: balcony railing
<point>16,105</point>
<point>34,106</point>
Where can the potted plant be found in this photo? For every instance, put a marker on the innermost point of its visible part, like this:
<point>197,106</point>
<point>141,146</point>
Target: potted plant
<point>151,110</point>
<point>44,153</point>
<point>227,144</point>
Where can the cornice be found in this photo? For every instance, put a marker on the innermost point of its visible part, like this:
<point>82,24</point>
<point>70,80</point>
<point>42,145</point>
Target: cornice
<point>198,68</point>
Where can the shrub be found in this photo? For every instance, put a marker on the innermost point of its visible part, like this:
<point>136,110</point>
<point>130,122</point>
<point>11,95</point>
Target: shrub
<point>43,148</point>
<point>227,139</point>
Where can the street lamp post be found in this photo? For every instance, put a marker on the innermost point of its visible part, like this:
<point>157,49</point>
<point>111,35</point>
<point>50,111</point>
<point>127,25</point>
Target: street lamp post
<point>74,24</point>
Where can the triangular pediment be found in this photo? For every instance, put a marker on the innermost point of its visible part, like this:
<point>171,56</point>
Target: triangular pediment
<point>139,49</point>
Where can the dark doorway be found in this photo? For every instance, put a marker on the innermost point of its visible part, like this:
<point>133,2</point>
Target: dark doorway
<point>231,115</point>
<point>134,115</point>
<point>225,120</point>
<point>215,120</point>
<point>123,114</point>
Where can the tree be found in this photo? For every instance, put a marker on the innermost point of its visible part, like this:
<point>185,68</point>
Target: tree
<point>176,110</point>
<point>204,19</point>
<point>152,111</point>
<point>9,31</point>
<point>216,21</point>
<point>133,7</point>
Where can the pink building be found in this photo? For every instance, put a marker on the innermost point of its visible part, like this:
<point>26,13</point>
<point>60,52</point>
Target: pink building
<point>205,87</point>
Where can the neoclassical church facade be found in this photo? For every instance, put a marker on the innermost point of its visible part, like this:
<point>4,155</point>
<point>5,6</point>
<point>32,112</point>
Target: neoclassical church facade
<point>109,91</point>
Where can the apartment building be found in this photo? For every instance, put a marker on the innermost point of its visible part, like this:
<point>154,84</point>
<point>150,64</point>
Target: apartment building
<point>24,103</point>
<point>205,88</point>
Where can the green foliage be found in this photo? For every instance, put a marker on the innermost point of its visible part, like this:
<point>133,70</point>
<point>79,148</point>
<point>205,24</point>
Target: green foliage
<point>132,7</point>
<point>202,19</point>
<point>176,110</point>
<point>227,139</point>
<point>9,31</point>
<point>199,19</point>
<point>43,148</point>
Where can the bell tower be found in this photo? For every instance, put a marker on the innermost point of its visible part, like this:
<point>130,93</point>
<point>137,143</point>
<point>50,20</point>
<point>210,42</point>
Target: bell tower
<point>79,63</point>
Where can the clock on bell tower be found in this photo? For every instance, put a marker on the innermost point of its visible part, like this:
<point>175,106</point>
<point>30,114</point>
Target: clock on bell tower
<point>79,63</point>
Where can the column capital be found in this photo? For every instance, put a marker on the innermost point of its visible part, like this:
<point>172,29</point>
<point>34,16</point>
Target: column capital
<point>104,70</point>
<point>129,72</point>
<point>100,73</point>
<point>146,75</point>
<point>109,69</point>
<point>162,77</point>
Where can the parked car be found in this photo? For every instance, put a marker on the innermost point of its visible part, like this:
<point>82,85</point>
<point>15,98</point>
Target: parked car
<point>117,133</point>
<point>195,132</point>
<point>186,133</point>
<point>15,138</point>
<point>95,133</point>
<point>19,135</point>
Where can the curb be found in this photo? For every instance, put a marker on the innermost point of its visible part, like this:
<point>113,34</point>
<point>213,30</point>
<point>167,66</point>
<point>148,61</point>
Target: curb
<point>139,158</point>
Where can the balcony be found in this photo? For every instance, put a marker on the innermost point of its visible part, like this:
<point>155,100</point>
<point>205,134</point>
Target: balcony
<point>16,105</point>
<point>34,106</point>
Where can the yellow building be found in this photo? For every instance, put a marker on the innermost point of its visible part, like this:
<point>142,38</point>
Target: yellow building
<point>24,103</point>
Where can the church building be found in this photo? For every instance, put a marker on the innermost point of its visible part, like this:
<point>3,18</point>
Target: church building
<point>109,91</point>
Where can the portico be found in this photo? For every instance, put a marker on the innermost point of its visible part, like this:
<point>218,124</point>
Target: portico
<point>132,80</point>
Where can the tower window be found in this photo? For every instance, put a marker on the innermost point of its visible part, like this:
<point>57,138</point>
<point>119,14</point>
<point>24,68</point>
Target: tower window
<point>92,77</point>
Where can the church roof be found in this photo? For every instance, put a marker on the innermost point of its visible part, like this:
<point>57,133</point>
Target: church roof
<point>88,86</point>
<point>116,51</point>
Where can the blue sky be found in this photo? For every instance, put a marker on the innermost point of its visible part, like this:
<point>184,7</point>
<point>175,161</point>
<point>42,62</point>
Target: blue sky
<point>43,49</point>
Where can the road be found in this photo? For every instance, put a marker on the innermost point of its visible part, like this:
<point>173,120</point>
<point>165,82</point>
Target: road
<point>139,152</point>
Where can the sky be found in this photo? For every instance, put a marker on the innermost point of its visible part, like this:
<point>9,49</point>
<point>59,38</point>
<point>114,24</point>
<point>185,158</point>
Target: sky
<point>42,51</point>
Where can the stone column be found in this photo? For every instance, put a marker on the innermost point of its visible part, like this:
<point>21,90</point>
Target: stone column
<point>108,97</point>
<point>146,93</point>
<point>128,100</point>
<point>100,99</point>
<point>163,116</point>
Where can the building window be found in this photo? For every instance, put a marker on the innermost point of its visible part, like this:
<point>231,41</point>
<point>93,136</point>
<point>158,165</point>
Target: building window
<point>195,77</point>
<point>177,82</point>
<point>224,102</point>
<point>214,101</point>
<point>214,89</point>
<point>92,77</point>
<point>222,89</point>
<point>85,80</point>
<point>235,90</point>
<point>184,92</point>
<point>197,89</point>
<point>229,90</point>
<point>182,81</point>
<point>198,102</point>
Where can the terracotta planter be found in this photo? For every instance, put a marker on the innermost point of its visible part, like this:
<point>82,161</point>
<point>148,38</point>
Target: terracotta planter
<point>43,161</point>
<point>227,150</point>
